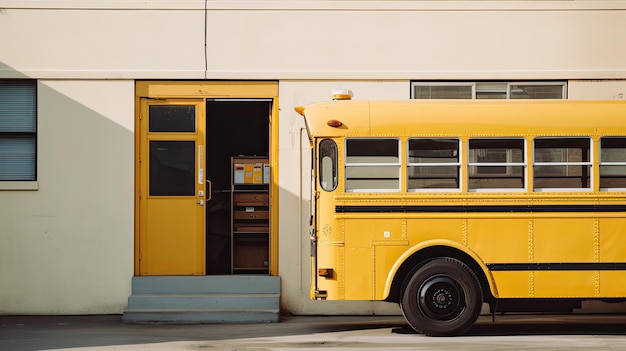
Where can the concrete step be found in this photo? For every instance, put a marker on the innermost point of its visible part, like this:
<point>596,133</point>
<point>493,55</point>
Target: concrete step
<point>199,316</point>
<point>203,301</point>
<point>253,284</point>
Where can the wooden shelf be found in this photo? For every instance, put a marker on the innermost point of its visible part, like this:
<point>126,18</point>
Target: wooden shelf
<point>250,215</point>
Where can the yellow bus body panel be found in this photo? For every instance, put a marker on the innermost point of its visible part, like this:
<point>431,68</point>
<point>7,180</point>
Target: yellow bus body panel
<point>426,244</point>
<point>365,250</point>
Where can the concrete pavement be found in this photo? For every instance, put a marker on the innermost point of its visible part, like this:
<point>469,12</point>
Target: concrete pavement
<point>510,332</point>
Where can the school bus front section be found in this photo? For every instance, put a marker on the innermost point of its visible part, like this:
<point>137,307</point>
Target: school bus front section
<point>443,205</point>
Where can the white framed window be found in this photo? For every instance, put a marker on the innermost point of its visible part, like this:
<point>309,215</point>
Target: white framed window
<point>613,164</point>
<point>18,132</point>
<point>433,164</point>
<point>497,164</point>
<point>562,164</point>
<point>372,165</point>
<point>489,90</point>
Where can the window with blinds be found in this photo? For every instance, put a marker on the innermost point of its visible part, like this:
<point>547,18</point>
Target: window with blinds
<point>18,130</point>
<point>489,90</point>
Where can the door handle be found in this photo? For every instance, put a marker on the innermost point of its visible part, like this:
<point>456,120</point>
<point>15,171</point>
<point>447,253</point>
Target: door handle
<point>208,190</point>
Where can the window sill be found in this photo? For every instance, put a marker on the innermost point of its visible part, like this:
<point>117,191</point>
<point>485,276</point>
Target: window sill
<point>19,185</point>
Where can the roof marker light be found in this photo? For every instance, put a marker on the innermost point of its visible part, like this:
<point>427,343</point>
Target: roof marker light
<point>342,94</point>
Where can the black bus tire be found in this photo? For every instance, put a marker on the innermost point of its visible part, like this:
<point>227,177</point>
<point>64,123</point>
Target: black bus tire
<point>442,298</point>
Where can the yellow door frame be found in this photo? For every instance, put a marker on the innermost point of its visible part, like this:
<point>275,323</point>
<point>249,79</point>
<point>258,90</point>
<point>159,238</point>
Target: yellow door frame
<point>213,90</point>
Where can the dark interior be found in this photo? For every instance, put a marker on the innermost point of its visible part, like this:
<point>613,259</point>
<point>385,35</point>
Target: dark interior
<point>234,127</point>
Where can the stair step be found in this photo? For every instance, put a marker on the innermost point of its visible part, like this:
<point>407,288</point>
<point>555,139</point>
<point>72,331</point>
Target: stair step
<point>203,301</point>
<point>197,316</point>
<point>206,284</point>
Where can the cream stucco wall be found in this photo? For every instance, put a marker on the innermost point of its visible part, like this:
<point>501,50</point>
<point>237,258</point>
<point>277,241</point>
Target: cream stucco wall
<point>86,39</point>
<point>313,39</point>
<point>421,40</point>
<point>67,248</point>
<point>614,89</point>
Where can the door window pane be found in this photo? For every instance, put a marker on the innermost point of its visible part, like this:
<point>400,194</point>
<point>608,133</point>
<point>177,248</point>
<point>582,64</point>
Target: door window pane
<point>168,118</point>
<point>172,168</point>
<point>328,164</point>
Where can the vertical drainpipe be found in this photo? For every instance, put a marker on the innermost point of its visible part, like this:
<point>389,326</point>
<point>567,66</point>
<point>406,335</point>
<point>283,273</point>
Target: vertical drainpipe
<point>206,63</point>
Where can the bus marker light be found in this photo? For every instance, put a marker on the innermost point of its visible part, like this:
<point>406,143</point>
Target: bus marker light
<point>334,123</point>
<point>325,272</point>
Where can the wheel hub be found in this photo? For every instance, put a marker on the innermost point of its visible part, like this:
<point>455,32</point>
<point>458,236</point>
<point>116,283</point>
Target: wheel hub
<point>441,298</point>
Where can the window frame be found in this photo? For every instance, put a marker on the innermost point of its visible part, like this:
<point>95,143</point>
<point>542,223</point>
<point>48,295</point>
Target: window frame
<point>397,165</point>
<point>475,85</point>
<point>508,165</point>
<point>589,163</point>
<point>608,163</point>
<point>24,184</point>
<point>458,164</point>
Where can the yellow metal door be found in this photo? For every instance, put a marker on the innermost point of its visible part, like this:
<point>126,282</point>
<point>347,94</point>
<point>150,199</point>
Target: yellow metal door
<point>172,187</point>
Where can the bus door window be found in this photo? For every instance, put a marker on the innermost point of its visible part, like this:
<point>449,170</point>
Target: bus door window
<point>328,164</point>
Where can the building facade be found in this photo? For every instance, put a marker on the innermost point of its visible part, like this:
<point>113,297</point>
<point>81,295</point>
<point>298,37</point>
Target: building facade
<point>83,75</point>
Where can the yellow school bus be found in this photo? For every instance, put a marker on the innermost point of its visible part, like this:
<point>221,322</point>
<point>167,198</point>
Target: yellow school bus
<point>441,206</point>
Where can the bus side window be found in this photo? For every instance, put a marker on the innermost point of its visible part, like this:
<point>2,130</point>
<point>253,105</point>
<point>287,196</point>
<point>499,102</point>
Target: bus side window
<point>328,164</point>
<point>562,163</point>
<point>433,164</point>
<point>612,164</point>
<point>496,164</point>
<point>372,165</point>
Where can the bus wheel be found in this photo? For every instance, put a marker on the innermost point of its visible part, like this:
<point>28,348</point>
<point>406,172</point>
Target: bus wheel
<point>442,298</point>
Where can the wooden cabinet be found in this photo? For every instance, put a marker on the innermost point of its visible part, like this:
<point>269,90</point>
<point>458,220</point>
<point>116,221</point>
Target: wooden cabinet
<point>250,215</point>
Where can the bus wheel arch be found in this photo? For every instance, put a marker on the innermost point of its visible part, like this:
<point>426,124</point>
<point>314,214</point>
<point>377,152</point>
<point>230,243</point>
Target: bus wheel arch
<point>442,298</point>
<point>421,257</point>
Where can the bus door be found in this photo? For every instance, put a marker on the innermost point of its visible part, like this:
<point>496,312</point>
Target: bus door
<point>324,187</point>
<point>313,220</point>
<point>172,187</point>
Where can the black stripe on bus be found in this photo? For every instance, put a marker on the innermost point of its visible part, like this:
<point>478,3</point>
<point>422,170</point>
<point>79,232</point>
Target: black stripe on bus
<point>592,266</point>
<point>479,208</point>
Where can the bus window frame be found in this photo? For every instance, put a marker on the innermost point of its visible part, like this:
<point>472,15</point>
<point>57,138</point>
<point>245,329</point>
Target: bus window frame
<point>590,164</point>
<point>397,165</point>
<point>523,164</point>
<point>610,164</point>
<point>458,164</point>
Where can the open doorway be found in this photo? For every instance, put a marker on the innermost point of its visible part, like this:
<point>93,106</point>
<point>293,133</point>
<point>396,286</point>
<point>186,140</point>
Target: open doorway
<point>234,127</point>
